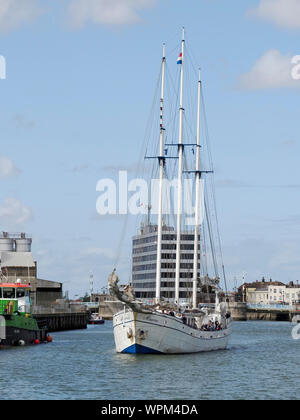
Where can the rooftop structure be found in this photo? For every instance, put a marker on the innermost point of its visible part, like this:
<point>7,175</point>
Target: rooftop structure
<point>263,284</point>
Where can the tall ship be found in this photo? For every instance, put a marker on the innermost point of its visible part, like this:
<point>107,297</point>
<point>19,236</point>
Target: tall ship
<point>164,311</point>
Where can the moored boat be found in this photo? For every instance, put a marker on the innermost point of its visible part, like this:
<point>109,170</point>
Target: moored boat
<point>18,327</point>
<point>95,319</point>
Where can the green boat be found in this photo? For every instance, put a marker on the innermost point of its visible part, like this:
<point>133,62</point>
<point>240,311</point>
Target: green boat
<point>18,327</point>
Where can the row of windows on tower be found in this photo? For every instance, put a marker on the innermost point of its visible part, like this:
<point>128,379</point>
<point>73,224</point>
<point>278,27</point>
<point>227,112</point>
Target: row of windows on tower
<point>166,294</point>
<point>170,247</point>
<point>166,275</point>
<point>169,237</point>
<point>152,257</point>
<point>166,266</point>
<point>163,284</point>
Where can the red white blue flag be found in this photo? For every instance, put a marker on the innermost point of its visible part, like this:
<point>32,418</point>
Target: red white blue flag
<point>179,60</point>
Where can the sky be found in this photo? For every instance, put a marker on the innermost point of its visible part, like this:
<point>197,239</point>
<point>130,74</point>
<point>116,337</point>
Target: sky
<point>80,77</point>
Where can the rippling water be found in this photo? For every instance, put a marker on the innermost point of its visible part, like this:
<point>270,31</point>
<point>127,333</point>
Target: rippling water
<point>262,362</point>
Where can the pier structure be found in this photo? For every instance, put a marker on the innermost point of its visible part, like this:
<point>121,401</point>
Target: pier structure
<point>272,312</point>
<point>63,321</point>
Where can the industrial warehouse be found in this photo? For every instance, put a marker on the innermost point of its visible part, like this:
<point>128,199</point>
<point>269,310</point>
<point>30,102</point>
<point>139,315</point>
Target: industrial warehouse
<point>18,266</point>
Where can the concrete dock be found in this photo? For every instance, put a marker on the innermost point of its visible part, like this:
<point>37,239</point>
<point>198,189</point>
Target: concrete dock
<point>245,312</point>
<point>61,316</point>
<point>107,309</point>
<point>62,322</point>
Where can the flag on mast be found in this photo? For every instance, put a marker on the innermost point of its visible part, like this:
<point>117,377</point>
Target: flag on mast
<point>179,60</point>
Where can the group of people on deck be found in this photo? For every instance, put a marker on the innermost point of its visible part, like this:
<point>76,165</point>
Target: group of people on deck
<point>212,326</point>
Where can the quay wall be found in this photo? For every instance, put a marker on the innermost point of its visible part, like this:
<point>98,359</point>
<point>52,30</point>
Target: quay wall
<point>238,311</point>
<point>108,309</point>
<point>269,315</point>
<point>242,312</point>
<point>63,322</point>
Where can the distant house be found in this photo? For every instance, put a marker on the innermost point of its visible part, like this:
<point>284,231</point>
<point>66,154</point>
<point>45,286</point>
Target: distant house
<point>270,292</point>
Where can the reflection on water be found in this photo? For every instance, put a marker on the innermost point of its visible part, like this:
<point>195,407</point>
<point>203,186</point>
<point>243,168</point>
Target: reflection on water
<point>262,362</point>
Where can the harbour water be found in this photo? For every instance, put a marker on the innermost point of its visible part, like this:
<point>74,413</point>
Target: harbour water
<point>262,362</point>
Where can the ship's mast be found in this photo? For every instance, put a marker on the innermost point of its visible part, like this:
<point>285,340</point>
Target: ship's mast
<point>180,170</point>
<point>197,199</point>
<point>91,286</point>
<point>161,160</point>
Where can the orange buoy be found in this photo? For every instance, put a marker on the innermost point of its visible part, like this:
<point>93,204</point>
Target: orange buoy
<point>36,341</point>
<point>49,339</point>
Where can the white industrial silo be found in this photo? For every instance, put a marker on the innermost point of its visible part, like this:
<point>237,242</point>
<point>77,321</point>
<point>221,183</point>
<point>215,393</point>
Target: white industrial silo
<point>7,244</point>
<point>23,244</point>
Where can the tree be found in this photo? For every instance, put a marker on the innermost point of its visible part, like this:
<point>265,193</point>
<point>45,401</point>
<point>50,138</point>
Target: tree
<point>85,298</point>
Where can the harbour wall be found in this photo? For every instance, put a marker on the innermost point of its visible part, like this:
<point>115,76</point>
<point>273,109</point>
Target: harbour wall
<point>242,312</point>
<point>107,309</point>
<point>63,322</point>
<point>269,315</point>
<point>238,311</point>
<point>61,316</point>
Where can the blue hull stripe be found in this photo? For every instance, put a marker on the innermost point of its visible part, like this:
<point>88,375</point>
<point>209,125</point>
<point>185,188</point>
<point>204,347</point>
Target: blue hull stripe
<point>138,349</point>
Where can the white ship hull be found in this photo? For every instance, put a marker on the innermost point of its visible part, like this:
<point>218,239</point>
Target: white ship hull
<point>162,334</point>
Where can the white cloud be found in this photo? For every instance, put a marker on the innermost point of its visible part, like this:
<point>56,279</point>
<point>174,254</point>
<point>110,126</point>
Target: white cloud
<point>16,12</point>
<point>106,12</point>
<point>7,167</point>
<point>14,212</point>
<point>272,70</point>
<point>284,13</point>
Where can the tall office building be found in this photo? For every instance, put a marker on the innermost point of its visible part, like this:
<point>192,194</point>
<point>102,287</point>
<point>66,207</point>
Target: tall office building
<point>144,254</point>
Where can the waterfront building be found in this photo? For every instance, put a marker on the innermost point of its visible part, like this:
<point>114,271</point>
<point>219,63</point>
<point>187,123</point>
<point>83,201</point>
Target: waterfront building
<point>270,293</point>
<point>285,294</point>
<point>17,263</point>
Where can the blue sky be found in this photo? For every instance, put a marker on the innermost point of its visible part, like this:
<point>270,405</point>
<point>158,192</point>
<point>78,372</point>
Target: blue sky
<point>74,106</point>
